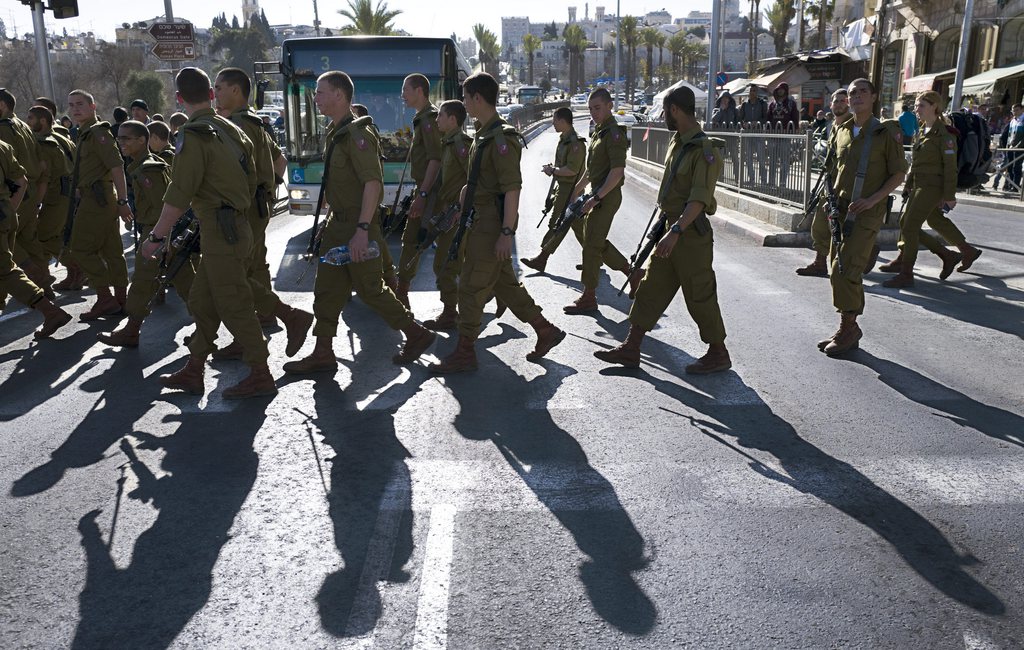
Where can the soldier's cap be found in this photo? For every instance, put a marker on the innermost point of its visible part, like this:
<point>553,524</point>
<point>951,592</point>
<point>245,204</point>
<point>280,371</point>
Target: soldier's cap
<point>140,103</point>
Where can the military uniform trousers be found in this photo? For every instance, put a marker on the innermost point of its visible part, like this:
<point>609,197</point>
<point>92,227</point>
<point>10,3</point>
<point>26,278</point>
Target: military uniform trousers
<point>96,241</point>
<point>409,261</point>
<point>386,260</point>
<point>26,244</point>
<point>221,293</point>
<point>689,268</point>
<point>447,271</point>
<point>264,298</point>
<point>552,239</point>
<point>52,218</point>
<point>923,206</point>
<point>484,276</point>
<point>596,247</point>
<point>821,235</point>
<point>13,280</point>
<point>334,284</point>
<point>146,280</point>
<point>848,287</point>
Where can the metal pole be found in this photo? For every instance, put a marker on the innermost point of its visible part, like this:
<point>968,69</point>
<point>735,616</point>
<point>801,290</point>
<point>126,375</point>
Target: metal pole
<point>316,18</point>
<point>168,11</point>
<point>714,59</point>
<point>961,58</point>
<point>618,48</point>
<point>42,51</point>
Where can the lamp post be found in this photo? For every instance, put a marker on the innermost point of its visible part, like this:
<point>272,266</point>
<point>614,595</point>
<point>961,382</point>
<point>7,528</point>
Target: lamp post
<point>42,51</point>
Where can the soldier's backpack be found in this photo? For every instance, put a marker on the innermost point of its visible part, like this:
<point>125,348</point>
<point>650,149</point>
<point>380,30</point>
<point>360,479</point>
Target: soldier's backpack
<point>974,149</point>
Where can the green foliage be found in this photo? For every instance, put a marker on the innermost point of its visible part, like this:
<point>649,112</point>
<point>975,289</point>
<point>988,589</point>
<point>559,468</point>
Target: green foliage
<point>241,46</point>
<point>698,31</point>
<point>148,86</point>
<point>780,16</point>
<point>531,43</point>
<point>551,31</point>
<point>487,44</point>
<point>369,20</point>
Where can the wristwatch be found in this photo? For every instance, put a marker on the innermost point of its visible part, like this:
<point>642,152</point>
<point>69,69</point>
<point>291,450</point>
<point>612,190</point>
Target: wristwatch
<point>423,194</point>
<point>156,240</point>
<point>508,231</point>
<point>122,201</point>
<point>363,225</point>
<point>676,229</point>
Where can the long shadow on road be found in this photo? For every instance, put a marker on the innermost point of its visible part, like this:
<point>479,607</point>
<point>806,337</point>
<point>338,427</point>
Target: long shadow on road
<point>531,441</point>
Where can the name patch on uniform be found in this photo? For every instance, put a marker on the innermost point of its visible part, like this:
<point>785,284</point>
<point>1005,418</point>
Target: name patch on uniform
<point>361,143</point>
<point>950,146</point>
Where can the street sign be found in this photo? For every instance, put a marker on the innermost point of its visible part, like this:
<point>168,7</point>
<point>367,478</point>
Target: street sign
<point>721,79</point>
<point>172,32</point>
<point>175,51</point>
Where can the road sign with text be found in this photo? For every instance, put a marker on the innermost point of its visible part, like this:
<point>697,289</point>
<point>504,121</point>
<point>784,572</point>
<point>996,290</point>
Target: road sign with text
<point>172,32</point>
<point>175,51</point>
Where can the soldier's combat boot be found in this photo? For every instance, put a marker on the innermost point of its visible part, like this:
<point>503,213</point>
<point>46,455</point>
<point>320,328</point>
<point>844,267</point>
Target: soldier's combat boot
<point>231,352</point>
<point>847,338</point>
<point>126,336</point>
<point>403,293</point>
<point>322,359</point>
<point>894,266</point>
<point>635,278</point>
<point>538,263</point>
<point>53,318</point>
<point>627,354</point>
<point>40,276</point>
<point>417,340</point>
<point>902,280</point>
<point>121,296</point>
<point>970,254</point>
<point>189,378</point>
<point>462,359</point>
<point>873,259</point>
<point>716,359</point>
<point>106,305</point>
<point>585,304</point>
<point>447,320</point>
<point>72,281</point>
<point>949,261</point>
<point>259,383</point>
<point>548,336</point>
<point>817,269</point>
<point>296,324</point>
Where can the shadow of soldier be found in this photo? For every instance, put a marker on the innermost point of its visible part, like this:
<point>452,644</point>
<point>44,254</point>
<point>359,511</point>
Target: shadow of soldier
<point>370,495</point>
<point>209,467</point>
<point>812,471</point>
<point>555,467</point>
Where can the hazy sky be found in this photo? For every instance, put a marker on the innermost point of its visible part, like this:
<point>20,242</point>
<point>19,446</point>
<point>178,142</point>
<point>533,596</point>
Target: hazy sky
<point>418,17</point>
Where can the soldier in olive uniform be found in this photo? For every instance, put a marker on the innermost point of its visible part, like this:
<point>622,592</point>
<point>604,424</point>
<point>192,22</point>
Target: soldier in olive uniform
<point>425,159</point>
<point>454,172</point>
<point>387,262</point>
<point>56,156</point>
<point>148,176</point>
<point>95,236</point>
<point>13,280</point>
<point>231,89</point>
<point>213,174</point>
<point>495,182</point>
<point>606,172</point>
<point>931,190</point>
<point>570,158</point>
<point>355,185</point>
<point>821,237</point>
<point>27,251</point>
<point>160,141</point>
<point>683,258</point>
<point>862,202</point>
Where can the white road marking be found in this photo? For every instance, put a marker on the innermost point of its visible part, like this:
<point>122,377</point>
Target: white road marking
<point>977,641</point>
<point>435,581</point>
<point>14,314</point>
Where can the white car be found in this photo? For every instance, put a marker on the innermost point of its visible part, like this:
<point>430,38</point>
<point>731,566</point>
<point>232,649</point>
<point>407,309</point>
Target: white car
<point>272,113</point>
<point>627,120</point>
<point>578,101</point>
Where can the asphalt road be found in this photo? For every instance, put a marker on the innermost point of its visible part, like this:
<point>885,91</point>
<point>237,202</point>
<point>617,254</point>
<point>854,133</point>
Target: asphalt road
<point>794,502</point>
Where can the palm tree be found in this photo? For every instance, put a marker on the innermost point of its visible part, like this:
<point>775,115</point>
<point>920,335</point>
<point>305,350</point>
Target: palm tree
<point>755,26</point>
<point>369,20</point>
<point>649,37</point>
<point>531,43</point>
<point>676,45</point>
<point>575,44</point>
<point>662,40</point>
<point>780,17</point>
<point>692,55</point>
<point>628,26</point>
<point>487,43</point>
<point>822,11</point>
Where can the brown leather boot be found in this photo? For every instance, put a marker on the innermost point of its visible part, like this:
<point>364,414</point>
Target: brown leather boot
<point>447,320</point>
<point>970,253</point>
<point>499,307</point>
<point>268,320</point>
<point>417,340</point>
<point>461,360</point>
<point>627,354</point>
<point>259,383</point>
<point>902,280</point>
<point>121,296</point>
<point>231,352</point>
<point>585,304</point>
<point>106,305</point>
<point>126,337</point>
<point>548,336</point>
<point>53,318</point>
<point>634,278</point>
<point>296,324</point>
<point>189,378</point>
<point>894,266</point>
<point>716,359</point>
<point>322,359</point>
<point>817,269</point>
<point>949,261</point>
<point>875,250</point>
<point>69,282</point>
<point>40,276</point>
<point>847,338</point>
<point>403,293</point>
<point>538,263</point>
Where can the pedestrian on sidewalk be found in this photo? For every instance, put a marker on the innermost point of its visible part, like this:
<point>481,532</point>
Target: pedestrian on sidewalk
<point>753,116</point>
<point>784,118</point>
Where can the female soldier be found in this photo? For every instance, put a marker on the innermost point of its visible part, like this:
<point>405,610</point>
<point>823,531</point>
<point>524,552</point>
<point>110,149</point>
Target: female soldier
<point>931,185</point>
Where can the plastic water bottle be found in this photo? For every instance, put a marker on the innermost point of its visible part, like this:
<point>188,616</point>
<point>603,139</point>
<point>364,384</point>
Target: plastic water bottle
<point>338,256</point>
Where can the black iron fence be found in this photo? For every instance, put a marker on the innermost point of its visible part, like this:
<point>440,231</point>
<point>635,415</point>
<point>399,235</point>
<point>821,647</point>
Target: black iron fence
<point>527,115</point>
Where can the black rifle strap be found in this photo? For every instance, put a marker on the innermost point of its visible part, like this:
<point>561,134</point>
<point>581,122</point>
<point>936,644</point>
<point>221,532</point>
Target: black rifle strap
<point>474,168</point>
<point>666,181</point>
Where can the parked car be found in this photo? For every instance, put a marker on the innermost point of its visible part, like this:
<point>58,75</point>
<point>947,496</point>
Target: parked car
<point>272,113</point>
<point>578,101</point>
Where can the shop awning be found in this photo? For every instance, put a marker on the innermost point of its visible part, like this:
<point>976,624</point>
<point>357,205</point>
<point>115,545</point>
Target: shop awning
<point>794,75</point>
<point>985,83</point>
<point>924,82</point>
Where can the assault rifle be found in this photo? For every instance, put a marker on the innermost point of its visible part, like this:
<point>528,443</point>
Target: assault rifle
<point>572,213</point>
<point>435,227</point>
<point>653,233</point>
<point>834,226</point>
<point>184,242</point>
<point>395,219</point>
<point>549,202</point>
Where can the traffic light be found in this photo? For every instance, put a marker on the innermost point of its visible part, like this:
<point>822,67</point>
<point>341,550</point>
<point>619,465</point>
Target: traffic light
<point>64,8</point>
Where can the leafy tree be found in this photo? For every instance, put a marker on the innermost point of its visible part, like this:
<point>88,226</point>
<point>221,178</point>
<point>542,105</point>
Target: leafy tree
<point>676,44</point>
<point>545,85</point>
<point>551,31</point>
<point>822,11</point>
<point>114,64</point>
<point>698,31</point>
<point>629,26</point>
<point>649,37</point>
<point>369,20</point>
<point>234,23</point>
<point>780,17</point>
<point>241,46</point>
<point>531,43</point>
<point>575,44</point>
<point>148,86</point>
